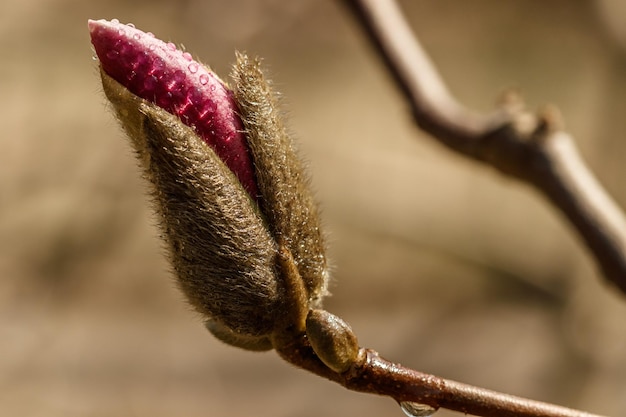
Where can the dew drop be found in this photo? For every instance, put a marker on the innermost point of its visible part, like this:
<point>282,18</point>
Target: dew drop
<point>194,96</point>
<point>204,79</point>
<point>137,36</point>
<point>171,46</point>
<point>112,54</point>
<point>152,47</point>
<point>193,67</point>
<point>121,32</point>
<point>127,52</point>
<point>115,21</point>
<point>130,25</point>
<point>188,57</point>
<point>176,84</point>
<point>207,109</point>
<point>158,63</point>
<point>182,110</point>
<point>150,83</point>
<point>150,34</point>
<point>178,76</point>
<point>131,77</point>
<point>211,106</point>
<point>412,409</point>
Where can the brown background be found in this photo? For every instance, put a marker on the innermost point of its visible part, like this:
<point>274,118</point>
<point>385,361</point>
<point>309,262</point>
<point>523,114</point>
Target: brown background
<point>438,263</point>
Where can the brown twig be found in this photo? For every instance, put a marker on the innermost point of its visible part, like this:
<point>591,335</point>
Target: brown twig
<point>375,375</point>
<point>533,149</point>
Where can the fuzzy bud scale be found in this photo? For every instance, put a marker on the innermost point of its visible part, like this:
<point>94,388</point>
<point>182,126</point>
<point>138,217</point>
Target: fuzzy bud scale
<point>254,268</point>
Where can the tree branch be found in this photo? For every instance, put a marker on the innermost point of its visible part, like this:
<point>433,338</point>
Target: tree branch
<point>531,148</point>
<point>375,375</point>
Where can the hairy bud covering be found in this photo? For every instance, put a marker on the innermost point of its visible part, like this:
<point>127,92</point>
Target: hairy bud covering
<point>287,201</point>
<point>221,250</point>
<point>232,197</point>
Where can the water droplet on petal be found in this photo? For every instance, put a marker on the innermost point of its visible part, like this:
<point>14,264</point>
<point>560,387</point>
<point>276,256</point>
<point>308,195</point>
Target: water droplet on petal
<point>130,25</point>
<point>193,67</point>
<point>211,106</point>
<point>115,21</point>
<point>152,47</point>
<point>137,36</point>
<point>204,79</point>
<point>412,409</point>
<point>126,51</point>
<point>121,32</point>
<point>175,84</point>
<point>187,56</point>
<point>150,83</point>
<point>150,34</point>
<point>158,63</point>
<point>112,54</point>
<point>206,110</point>
<point>179,76</point>
<point>194,96</point>
<point>171,46</point>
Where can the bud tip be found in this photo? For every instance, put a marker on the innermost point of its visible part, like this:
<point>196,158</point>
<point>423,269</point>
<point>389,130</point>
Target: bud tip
<point>162,74</point>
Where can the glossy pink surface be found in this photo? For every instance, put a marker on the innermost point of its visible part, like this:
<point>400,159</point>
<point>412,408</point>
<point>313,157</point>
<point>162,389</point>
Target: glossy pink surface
<point>162,74</point>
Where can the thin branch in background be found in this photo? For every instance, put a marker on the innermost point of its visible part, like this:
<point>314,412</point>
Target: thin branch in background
<point>531,148</point>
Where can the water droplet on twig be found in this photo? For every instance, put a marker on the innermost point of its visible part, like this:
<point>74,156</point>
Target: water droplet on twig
<point>412,409</point>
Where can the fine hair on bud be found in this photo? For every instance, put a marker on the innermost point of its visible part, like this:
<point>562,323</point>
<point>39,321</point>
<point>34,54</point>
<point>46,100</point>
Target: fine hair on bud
<point>287,202</point>
<point>220,248</point>
<point>232,198</point>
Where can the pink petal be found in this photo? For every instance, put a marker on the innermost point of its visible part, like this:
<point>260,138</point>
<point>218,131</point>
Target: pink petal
<point>162,74</point>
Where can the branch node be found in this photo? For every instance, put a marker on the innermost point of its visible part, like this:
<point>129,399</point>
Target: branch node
<point>550,120</point>
<point>511,101</point>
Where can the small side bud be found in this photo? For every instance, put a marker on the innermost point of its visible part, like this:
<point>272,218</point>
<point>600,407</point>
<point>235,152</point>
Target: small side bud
<point>332,340</point>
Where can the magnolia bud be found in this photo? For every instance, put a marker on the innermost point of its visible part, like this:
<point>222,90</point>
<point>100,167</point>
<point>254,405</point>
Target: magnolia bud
<point>232,197</point>
<point>219,246</point>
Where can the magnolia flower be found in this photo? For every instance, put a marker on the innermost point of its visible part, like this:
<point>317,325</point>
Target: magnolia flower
<point>232,198</point>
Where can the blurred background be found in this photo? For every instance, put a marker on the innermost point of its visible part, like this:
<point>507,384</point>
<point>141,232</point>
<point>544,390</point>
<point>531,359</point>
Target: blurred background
<point>439,263</point>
